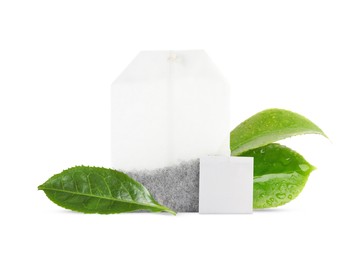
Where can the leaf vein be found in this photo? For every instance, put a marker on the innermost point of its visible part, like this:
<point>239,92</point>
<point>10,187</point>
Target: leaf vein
<point>111,199</point>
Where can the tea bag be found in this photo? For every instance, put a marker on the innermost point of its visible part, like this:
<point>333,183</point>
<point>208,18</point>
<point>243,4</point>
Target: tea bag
<point>168,109</point>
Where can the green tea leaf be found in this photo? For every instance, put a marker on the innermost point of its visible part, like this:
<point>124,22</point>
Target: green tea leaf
<point>280,174</point>
<point>267,127</point>
<point>99,190</point>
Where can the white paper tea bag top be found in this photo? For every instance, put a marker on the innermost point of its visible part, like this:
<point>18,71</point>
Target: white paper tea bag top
<point>168,107</point>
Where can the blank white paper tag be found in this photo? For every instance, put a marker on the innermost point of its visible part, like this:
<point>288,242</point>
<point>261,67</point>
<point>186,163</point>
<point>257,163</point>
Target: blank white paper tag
<point>226,185</point>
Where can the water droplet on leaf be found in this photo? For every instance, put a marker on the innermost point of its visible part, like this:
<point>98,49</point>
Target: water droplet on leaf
<point>280,195</point>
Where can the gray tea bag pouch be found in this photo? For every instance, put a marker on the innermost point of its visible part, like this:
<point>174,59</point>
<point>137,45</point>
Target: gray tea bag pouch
<point>168,109</point>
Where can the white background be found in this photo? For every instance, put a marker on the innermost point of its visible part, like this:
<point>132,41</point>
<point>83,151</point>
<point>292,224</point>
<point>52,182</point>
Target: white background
<point>57,61</point>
